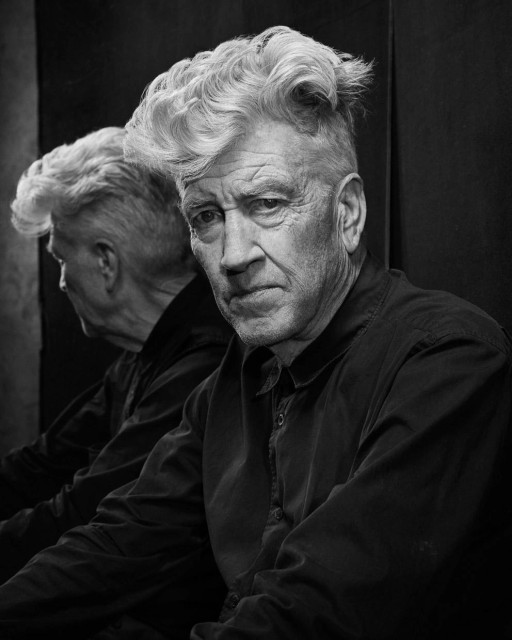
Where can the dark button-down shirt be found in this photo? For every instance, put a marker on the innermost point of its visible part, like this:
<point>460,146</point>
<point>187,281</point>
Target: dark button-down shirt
<point>350,495</point>
<point>102,439</point>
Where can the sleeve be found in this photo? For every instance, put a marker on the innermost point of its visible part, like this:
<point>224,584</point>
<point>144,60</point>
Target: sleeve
<point>430,481</point>
<point>148,542</point>
<point>119,462</point>
<point>37,471</point>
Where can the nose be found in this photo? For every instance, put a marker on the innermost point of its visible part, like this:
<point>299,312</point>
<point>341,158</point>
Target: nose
<point>62,282</point>
<point>240,242</point>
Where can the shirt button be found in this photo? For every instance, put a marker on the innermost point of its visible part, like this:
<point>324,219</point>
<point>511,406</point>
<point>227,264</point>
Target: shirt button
<point>278,513</point>
<point>233,600</point>
<point>280,420</point>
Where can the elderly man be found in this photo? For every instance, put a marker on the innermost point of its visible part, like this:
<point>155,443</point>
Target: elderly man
<point>349,462</point>
<point>127,268</point>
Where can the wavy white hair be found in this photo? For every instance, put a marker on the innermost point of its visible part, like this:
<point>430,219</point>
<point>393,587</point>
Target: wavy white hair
<point>89,183</point>
<point>196,111</point>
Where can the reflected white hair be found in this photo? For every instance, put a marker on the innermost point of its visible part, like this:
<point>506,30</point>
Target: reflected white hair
<point>89,184</point>
<point>200,107</point>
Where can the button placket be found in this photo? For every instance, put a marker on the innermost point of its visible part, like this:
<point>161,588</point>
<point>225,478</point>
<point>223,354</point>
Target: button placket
<point>278,513</point>
<point>233,600</point>
<point>280,413</point>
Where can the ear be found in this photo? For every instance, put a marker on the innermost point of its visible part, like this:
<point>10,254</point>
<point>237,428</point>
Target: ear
<point>351,211</point>
<point>108,262</point>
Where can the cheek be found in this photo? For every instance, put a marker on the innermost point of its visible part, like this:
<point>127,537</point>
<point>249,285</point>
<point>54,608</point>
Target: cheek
<point>307,244</point>
<point>196,247</point>
<point>207,257</point>
<point>314,258</point>
<point>206,251</point>
<point>199,252</point>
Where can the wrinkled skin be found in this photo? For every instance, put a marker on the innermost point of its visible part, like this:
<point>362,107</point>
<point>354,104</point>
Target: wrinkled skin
<point>276,239</point>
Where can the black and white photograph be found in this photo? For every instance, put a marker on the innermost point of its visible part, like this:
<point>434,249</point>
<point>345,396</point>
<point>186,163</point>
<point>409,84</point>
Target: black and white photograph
<point>255,320</point>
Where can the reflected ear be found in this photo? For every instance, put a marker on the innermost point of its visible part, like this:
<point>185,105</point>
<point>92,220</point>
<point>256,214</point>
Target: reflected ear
<point>108,262</point>
<point>351,211</point>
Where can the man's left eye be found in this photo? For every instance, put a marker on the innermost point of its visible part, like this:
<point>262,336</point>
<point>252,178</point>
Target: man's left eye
<point>269,203</point>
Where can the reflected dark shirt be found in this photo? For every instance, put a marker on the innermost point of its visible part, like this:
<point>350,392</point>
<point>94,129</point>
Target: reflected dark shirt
<point>102,439</point>
<point>350,495</point>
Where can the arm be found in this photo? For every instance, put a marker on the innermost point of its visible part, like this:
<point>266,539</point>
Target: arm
<point>118,463</point>
<point>430,480</point>
<point>37,471</point>
<point>147,540</point>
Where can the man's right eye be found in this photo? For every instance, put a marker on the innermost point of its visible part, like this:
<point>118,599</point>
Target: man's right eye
<point>205,217</point>
<point>205,220</point>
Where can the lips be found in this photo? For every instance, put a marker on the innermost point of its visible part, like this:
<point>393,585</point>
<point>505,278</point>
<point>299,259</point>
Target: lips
<point>251,291</point>
<point>256,301</point>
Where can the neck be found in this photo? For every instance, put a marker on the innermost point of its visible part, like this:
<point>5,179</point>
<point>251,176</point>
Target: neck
<point>144,309</point>
<point>287,351</point>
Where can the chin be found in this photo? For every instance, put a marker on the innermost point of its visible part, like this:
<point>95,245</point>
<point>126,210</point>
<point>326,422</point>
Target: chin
<point>260,335</point>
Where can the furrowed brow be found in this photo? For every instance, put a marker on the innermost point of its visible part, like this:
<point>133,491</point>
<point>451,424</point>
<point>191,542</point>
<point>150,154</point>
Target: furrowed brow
<point>190,203</point>
<point>263,187</point>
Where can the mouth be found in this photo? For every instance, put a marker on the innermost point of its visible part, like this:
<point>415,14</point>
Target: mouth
<point>259,299</point>
<point>252,292</point>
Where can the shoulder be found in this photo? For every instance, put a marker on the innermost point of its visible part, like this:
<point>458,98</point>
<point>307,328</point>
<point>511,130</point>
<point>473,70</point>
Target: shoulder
<point>225,380</point>
<point>440,315</point>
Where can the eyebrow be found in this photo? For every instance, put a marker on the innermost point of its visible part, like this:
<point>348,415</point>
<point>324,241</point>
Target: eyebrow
<point>192,202</point>
<point>254,190</point>
<point>267,184</point>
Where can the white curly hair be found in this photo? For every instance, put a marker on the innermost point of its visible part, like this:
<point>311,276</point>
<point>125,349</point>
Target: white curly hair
<point>90,183</point>
<point>196,111</point>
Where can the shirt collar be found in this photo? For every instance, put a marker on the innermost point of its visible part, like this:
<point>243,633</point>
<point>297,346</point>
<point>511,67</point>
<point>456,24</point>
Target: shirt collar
<point>350,321</point>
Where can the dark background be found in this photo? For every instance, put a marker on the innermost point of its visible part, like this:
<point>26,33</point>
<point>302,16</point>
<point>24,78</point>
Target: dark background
<point>435,148</point>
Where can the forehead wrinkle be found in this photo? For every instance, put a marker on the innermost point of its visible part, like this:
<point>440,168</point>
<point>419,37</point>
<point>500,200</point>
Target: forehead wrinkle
<point>234,178</point>
<point>260,186</point>
<point>268,176</point>
<point>240,189</point>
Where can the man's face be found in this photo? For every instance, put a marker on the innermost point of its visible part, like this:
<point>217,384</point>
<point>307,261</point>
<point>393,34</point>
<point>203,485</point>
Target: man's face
<point>80,279</point>
<point>263,228</point>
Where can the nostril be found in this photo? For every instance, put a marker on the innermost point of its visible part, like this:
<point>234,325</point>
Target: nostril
<point>233,272</point>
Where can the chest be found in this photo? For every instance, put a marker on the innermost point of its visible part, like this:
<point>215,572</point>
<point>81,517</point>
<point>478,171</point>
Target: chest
<point>270,460</point>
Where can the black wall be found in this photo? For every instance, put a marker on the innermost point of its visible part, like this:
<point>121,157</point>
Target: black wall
<point>453,151</point>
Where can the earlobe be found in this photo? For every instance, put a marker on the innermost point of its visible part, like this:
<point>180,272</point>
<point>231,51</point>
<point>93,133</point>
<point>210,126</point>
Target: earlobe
<point>108,262</point>
<point>351,204</point>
